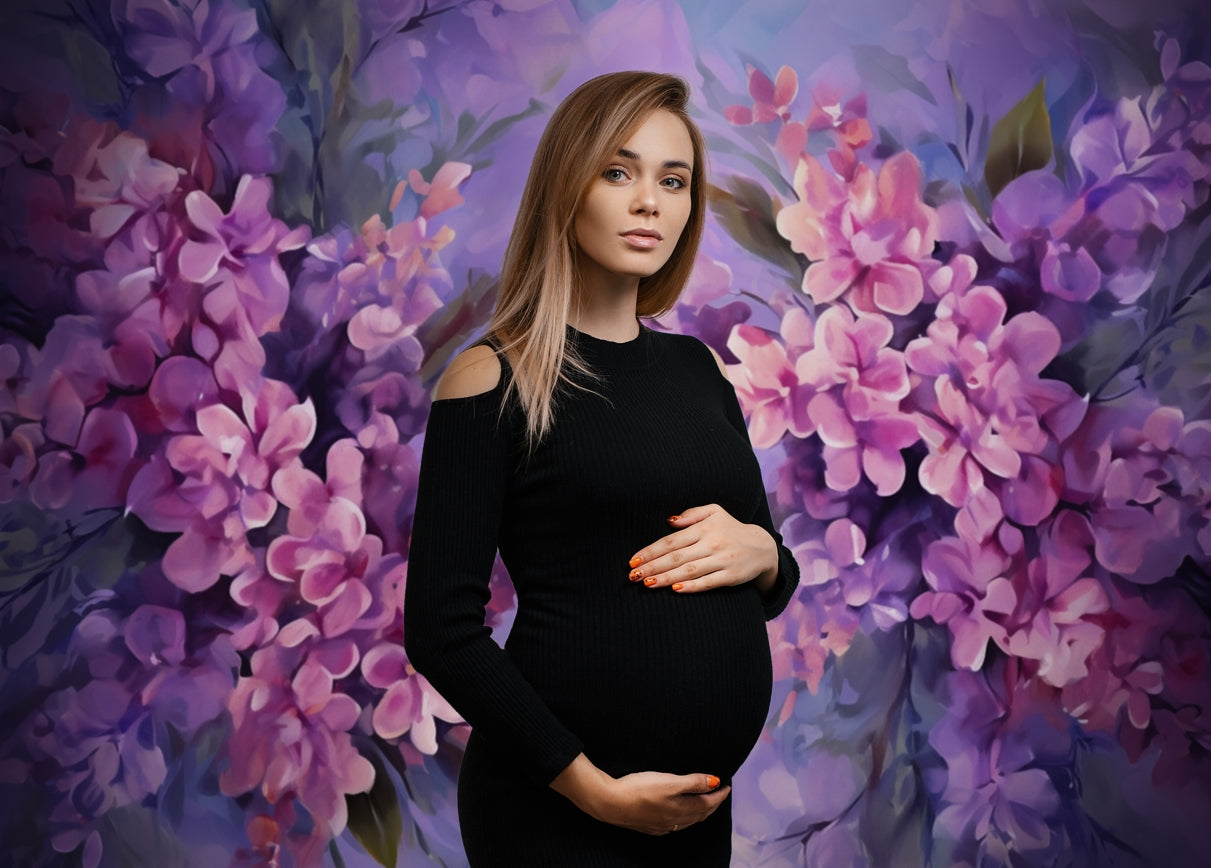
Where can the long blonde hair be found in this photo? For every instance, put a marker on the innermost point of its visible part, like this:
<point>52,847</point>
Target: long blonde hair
<point>539,279</point>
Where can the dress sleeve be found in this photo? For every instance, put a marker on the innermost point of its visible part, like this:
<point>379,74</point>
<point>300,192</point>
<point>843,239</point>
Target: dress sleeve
<point>465,468</point>
<point>788,568</point>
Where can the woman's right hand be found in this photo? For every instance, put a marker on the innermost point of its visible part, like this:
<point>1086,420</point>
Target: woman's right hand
<point>654,803</point>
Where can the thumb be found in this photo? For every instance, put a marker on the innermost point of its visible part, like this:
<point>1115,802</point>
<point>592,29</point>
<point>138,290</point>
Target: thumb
<point>701,783</point>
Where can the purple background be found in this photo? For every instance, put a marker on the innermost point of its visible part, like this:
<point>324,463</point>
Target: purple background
<point>958,262</point>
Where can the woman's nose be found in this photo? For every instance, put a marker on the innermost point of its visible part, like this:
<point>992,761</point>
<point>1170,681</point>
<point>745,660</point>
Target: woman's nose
<point>645,201</point>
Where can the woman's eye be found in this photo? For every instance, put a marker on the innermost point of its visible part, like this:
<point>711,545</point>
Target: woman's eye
<point>673,183</point>
<point>614,174</point>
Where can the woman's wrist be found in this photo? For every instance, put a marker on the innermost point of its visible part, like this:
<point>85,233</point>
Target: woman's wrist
<point>585,786</point>
<point>768,577</point>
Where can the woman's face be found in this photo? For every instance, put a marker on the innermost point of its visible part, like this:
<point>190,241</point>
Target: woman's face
<point>637,206</point>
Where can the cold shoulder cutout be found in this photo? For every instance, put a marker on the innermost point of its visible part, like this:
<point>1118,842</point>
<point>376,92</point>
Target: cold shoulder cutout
<point>474,371</point>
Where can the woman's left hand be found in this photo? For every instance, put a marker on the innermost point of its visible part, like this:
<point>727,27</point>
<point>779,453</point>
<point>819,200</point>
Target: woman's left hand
<point>710,549</point>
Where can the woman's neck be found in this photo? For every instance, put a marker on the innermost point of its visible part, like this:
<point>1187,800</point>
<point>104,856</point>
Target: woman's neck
<point>609,316</point>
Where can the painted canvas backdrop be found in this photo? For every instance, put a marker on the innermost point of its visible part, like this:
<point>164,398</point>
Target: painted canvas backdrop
<point>957,262</point>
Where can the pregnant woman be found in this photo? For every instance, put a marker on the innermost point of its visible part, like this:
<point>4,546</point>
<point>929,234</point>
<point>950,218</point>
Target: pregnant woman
<point>609,465</point>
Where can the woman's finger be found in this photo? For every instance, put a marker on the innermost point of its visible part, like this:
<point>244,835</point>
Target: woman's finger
<point>693,561</point>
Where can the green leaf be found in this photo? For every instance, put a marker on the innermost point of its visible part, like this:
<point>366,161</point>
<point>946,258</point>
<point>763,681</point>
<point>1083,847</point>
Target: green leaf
<point>1020,141</point>
<point>746,211</point>
<point>447,330</point>
<point>375,819</point>
<point>889,72</point>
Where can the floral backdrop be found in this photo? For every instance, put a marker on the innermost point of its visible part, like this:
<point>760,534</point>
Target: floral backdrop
<point>958,263</point>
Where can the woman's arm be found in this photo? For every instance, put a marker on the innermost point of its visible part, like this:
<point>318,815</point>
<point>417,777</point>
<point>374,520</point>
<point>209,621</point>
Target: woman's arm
<point>468,454</point>
<point>710,548</point>
<point>650,802</point>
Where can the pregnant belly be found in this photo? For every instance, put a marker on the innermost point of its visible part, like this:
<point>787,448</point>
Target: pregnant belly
<point>655,680</point>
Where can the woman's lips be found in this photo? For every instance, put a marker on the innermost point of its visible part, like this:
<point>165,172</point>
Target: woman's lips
<point>644,238</point>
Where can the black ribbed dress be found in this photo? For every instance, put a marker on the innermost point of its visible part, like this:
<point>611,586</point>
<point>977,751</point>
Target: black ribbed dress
<point>639,679</point>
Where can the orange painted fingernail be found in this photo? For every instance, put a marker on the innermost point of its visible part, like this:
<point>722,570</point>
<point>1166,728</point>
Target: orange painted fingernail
<point>635,575</point>
<point>635,561</point>
<point>712,781</point>
<point>677,586</point>
<point>674,518</point>
<point>649,581</point>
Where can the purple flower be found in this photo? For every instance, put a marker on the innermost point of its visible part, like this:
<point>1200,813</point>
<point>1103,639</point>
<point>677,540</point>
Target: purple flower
<point>214,486</point>
<point>290,735</point>
<point>223,106</point>
<point>95,472</point>
<point>236,255</point>
<point>998,794</point>
<point>97,741</point>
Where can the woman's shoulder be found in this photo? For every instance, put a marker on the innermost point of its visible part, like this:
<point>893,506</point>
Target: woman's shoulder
<point>474,371</point>
<point>694,352</point>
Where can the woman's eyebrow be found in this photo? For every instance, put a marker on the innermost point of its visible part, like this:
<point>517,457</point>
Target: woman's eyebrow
<point>667,164</point>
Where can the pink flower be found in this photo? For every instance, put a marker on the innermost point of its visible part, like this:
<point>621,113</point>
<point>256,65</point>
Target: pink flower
<point>965,592</point>
<point>290,736</point>
<point>389,482</point>
<point>1130,468</point>
<point>846,120</point>
<point>440,195</point>
<point>987,408</point>
<point>410,705</point>
<point>308,497</point>
<point>772,99</point>
<point>962,445</point>
<point>122,184</point>
<point>237,255</point>
<point>262,598</point>
<point>858,383</point>
<point>766,382</point>
<point>1124,672</point>
<point>227,470</point>
<point>870,240</point>
<point>329,566</point>
<point>181,385</point>
<point>62,379</point>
